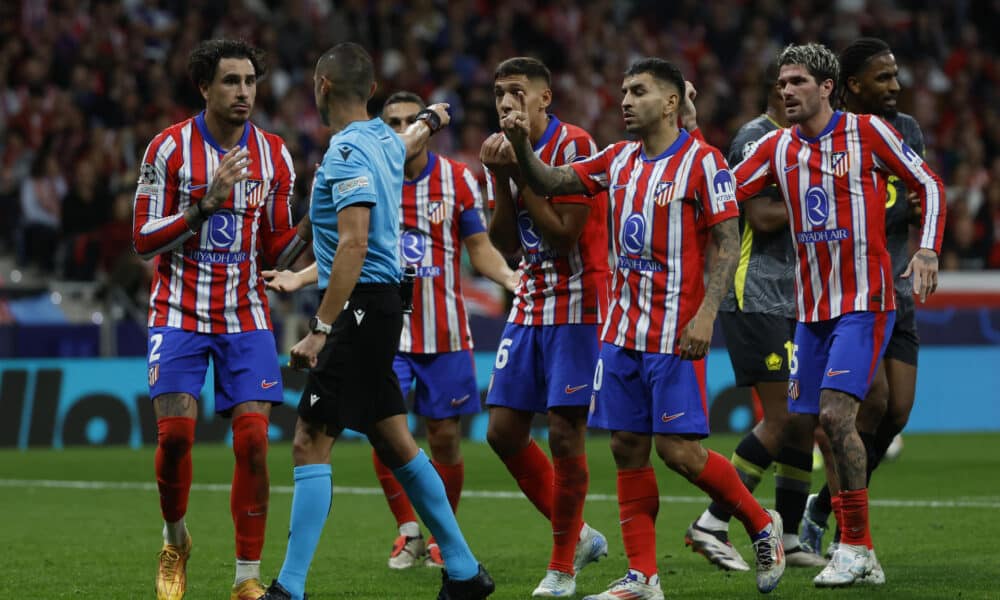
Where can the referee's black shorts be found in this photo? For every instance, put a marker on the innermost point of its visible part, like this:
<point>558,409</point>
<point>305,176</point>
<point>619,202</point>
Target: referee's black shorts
<point>758,345</point>
<point>353,385</point>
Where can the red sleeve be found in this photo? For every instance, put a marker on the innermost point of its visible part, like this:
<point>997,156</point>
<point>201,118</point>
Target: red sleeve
<point>896,157</point>
<point>491,194</point>
<point>578,149</point>
<point>280,243</point>
<point>593,172</point>
<point>754,173</point>
<point>157,225</point>
<point>718,196</point>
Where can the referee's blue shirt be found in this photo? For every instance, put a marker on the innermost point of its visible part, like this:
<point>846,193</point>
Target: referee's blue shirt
<point>363,166</point>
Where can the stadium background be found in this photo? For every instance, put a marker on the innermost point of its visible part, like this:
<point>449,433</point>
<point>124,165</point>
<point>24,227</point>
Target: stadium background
<point>85,84</point>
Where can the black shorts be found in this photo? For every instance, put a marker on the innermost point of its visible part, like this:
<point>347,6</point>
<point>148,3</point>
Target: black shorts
<point>758,345</point>
<point>353,385</point>
<point>904,341</point>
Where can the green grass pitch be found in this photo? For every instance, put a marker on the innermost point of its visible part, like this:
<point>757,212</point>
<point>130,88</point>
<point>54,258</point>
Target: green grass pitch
<point>934,524</point>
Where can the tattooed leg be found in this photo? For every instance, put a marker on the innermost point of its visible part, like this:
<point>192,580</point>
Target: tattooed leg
<point>837,414</point>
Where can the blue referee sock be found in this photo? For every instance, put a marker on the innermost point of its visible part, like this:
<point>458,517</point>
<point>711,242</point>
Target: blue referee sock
<point>426,491</point>
<point>311,503</point>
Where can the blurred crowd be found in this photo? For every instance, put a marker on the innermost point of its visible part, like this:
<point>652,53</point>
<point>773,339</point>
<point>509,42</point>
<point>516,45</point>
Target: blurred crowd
<point>84,86</point>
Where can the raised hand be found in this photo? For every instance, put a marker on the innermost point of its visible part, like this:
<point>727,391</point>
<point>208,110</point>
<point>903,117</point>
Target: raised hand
<point>233,167</point>
<point>515,122</point>
<point>924,269</point>
<point>687,111</point>
<point>498,155</point>
<point>441,109</point>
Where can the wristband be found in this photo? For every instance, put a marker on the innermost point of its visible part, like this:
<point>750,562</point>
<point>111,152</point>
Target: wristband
<point>431,118</point>
<point>201,213</point>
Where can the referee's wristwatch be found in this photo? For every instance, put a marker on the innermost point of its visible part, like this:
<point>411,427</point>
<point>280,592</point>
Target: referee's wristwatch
<point>317,326</point>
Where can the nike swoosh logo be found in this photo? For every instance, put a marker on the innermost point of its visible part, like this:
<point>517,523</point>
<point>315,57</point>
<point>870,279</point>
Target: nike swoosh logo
<point>256,514</point>
<point>791,168</point>
<point>459,401</point>
<point>615,188</point>
<point>668,418</point>
<point>194,188</point>
<point>832,373</point>
<point>264,384</point>
<point>575,388</point>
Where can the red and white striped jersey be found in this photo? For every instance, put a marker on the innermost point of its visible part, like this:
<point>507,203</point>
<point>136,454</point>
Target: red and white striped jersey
<point>561,288</point>
<point>209,280</point>
<point>661,211</point>
<point>441,207</point>
<point>834,188</point>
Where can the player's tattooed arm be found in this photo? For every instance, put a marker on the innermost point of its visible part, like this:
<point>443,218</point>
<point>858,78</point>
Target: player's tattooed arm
<point>697,334</point>
<point>726,236</point>
<point>545,180</point>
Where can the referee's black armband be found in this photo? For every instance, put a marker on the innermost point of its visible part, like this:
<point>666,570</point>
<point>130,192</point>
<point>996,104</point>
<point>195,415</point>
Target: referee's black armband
<point>431,118</point>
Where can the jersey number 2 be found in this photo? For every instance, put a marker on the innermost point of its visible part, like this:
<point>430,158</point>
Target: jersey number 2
<point>154,353</point>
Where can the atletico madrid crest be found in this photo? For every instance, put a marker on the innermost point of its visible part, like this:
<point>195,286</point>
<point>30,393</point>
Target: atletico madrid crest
<point>436,212</point>
<point>841,163</point>
<point>154,374</point>
<point>663,193</point>
<point>253,192</point>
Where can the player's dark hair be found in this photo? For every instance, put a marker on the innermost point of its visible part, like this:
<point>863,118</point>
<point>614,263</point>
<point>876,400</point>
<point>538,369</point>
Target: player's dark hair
<point>855,58</point>
<point>819,60</point>
<point>660,69</point>
<point>204,59</point>
<point>404,97</point>
<point>349,68</point>
<point>532,68</point>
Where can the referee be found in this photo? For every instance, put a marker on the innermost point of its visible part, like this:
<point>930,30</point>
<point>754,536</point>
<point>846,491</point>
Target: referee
<point>355,332</point>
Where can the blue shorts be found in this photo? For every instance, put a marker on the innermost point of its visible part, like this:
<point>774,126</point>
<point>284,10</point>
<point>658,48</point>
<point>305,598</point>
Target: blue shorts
<point>840,354</point>
<point>446,382</point>
<point>541,367</point>
<point>648,392</point>
<point>245,365</point>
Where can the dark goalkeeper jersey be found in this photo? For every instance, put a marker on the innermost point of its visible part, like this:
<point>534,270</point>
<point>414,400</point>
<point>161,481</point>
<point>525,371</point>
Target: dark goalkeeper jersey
<point>899,215</point>
<point>765,276</point>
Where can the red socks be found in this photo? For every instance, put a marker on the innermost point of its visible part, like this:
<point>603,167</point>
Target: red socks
<point>638,504</point>
<point>175,436</point>
<point>248,498</point>
<point>453,477</point>
<point>568,495</point>
<point>720,481</point>
<point>399,504</point>
<point>835,506</point>
<point>853,519</point>
<point>534,474</point>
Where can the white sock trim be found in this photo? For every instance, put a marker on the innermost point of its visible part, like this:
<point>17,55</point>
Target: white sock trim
<point>410,529</point>
<point>708,521</point>
<point>246,569</point>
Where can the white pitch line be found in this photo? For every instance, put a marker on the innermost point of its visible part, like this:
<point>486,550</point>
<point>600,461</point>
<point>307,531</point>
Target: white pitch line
<point>148,486</point>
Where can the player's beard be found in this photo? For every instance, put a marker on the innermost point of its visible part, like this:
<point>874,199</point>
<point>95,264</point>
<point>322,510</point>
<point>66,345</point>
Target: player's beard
<point>237,120</point>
